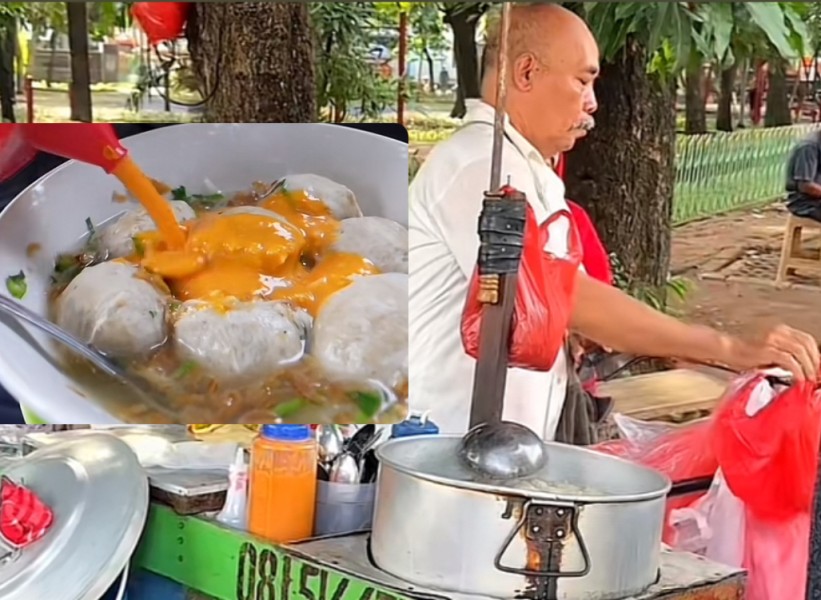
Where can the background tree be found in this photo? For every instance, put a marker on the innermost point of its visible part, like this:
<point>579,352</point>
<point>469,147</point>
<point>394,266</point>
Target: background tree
<point>463,19</point>
<point>346,78</point>
<point>255,61</point>
<point>9,16</point>
<point>623,173</point>
<point>80,86</point>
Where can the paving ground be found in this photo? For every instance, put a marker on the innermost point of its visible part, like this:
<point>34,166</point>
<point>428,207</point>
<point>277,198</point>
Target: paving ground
<point>744,248</point>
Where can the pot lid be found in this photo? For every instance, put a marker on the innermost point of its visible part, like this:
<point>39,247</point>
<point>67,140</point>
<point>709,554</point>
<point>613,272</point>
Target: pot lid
<point>570,474</point>
<point>99,495</point>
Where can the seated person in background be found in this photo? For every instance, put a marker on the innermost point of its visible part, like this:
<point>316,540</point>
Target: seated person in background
<point>43,163</point>
<point>804,178</point>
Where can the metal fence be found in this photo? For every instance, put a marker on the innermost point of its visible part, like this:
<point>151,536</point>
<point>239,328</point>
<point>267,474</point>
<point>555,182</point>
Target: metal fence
<point>719,172</point>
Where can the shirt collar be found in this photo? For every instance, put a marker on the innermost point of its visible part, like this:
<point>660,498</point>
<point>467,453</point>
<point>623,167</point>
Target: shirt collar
<point>479,111</point>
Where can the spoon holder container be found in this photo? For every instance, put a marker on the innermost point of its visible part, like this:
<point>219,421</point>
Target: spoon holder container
<point>343,508</point>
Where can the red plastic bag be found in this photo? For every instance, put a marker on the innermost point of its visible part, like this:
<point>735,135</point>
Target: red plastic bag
<point>161,21</point>
<point>776,555</point>
<point>769,455</point>
<point>544,298</point>
<point>596,260</point>
<point>681,453</point>
<point>24,518</point>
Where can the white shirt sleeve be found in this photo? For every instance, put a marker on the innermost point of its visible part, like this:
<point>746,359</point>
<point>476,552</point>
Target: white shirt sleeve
<point>457,210</point>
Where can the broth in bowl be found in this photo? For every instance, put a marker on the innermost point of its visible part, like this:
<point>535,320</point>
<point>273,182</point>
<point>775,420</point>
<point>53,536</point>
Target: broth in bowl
<point>285,304</point>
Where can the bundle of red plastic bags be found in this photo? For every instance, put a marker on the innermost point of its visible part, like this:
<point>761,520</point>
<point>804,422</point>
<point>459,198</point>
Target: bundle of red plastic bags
<point>762,445</point>
<point>24,518</point>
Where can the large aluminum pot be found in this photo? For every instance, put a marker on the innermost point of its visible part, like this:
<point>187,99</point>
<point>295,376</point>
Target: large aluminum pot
<point>586,527</point>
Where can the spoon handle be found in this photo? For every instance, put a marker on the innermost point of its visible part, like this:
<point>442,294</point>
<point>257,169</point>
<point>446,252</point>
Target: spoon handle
<point>17,310</point>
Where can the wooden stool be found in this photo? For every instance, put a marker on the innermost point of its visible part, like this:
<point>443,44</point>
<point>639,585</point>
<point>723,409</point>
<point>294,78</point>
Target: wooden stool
<point>792,255</point>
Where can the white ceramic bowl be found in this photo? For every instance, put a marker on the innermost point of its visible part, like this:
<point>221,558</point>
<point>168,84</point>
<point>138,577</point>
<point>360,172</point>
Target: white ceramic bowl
<point>52,212</point>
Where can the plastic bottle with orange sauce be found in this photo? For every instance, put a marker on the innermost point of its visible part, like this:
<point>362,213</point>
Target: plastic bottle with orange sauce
<point>283,483</point>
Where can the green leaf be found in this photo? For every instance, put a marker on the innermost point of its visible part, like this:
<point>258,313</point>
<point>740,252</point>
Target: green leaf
<point>289,408</point>
<point>185,369</point>
<point>368,402</point>
<point>682,37</point>
<point>179,193</point>
<point>659,22</point>
<point>16,285</point>
<point>722,25</point>
<point>769,17</point>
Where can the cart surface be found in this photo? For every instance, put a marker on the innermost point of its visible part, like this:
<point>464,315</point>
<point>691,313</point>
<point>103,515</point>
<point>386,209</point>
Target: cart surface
<point>207,561</point>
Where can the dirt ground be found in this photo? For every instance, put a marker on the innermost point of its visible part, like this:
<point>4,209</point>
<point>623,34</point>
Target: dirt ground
<point>732,262</point>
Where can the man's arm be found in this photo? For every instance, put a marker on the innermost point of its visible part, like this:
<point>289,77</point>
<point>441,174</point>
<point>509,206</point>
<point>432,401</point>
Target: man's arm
<point>804,169</point>
<point>810,188</point>
<point>630,326</point>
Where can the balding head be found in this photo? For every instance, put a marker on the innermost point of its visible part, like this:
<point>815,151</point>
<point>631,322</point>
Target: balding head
<point>553,60</point>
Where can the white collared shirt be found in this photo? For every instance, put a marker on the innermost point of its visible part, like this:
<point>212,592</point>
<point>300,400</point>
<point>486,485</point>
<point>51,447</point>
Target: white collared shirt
<point>445,203</point>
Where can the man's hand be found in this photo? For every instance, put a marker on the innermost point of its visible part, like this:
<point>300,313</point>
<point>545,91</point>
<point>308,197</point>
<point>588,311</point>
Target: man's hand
<point>615,320</point>
<point>783,347</point>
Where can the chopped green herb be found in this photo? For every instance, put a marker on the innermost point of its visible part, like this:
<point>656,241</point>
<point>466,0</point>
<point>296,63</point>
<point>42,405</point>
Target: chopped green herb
<point>185,369</point>
<point>179,193</point>
<point>175,305</point>
<point>207,199</point>
<point>16,285</point>
<point>139,245</point>
<point>368,402</point>
<point>289,408</point>
<point>153,314</point>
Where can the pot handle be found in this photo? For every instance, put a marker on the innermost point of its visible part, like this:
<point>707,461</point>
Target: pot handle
<point>547,525</point>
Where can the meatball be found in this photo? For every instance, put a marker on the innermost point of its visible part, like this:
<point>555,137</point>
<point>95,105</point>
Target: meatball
<point>381,241</point>
<point>118,237</point>
<point>339,199</point>
<point>113,308</point>
<point>361,332</point>
<point>250,340</point>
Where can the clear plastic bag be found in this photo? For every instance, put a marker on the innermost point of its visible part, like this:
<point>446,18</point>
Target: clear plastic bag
<point>713,526</point>
<point>681,453</point>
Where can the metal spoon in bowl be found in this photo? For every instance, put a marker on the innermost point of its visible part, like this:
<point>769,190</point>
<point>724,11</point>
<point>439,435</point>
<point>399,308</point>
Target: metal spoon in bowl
<point>95,357</point>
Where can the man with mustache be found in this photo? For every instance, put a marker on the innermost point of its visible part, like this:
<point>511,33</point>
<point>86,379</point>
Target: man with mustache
<point>554,62</point>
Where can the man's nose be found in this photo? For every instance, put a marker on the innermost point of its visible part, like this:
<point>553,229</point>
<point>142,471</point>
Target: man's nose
<point>589,103</point>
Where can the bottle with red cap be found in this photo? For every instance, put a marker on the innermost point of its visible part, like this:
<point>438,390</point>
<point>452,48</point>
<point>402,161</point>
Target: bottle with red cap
<point>282,496</point>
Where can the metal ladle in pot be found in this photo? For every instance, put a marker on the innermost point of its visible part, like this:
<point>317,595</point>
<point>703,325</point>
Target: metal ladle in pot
<point>495,448</point>
<point>503,450</point>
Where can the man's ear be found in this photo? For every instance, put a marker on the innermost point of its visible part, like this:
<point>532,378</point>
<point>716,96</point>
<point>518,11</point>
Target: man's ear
<point>524,69</point>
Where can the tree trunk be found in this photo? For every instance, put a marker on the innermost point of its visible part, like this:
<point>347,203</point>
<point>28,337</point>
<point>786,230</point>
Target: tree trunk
<point>463,23</point>
<point>52,56</point>
<point>254,60</point>
<point>79,90</point>
<point>778,107</point>
<point>8,46</point>
<point>628,187</point>
<point>431,71</point>
<point>695,99</point>
<point>724,118</point>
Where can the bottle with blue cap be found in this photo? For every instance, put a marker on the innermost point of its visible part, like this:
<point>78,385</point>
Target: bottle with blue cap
<point>282,494</point>
<point>415,424</point>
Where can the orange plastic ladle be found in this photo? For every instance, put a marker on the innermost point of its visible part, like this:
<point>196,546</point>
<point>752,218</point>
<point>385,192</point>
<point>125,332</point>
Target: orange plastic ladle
<point>98,144</point>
